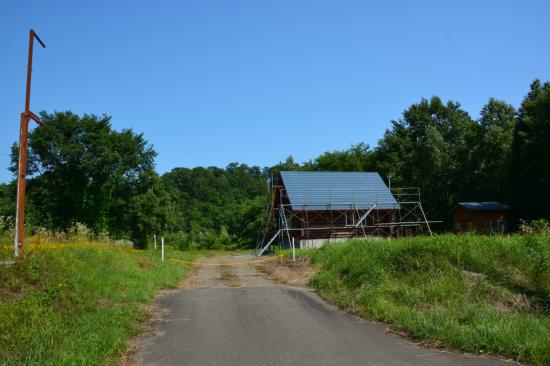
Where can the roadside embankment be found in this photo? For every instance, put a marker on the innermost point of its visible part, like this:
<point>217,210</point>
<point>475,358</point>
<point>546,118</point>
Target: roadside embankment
<point>79,304</point>
<point>479,294</point>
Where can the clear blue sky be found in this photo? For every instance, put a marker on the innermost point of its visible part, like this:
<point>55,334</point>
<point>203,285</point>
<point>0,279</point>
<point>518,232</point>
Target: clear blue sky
<point>211,82</point>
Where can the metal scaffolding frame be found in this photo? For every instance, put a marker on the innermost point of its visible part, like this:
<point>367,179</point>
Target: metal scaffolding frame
<point>339,220</point>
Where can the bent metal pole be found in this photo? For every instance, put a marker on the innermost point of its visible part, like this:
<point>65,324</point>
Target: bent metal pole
<point>26,116</point>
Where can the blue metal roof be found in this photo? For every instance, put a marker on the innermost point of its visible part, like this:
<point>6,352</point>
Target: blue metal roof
<point>337,190</point>
<point>484,206</point>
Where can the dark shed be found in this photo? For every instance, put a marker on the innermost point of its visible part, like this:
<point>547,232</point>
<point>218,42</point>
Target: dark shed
<point>482,217</point>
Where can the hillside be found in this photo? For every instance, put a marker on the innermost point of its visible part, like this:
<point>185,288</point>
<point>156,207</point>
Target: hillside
<point>78,304</point>
<point>479,294</point>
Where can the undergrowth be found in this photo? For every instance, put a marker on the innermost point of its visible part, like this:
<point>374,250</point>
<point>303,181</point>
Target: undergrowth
<point>78,304</point>
<point>480,294</point>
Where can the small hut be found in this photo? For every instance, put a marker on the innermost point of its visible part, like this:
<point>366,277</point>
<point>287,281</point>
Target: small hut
<point>481,217</point>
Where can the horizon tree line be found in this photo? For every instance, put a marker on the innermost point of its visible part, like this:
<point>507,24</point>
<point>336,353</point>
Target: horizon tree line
<point>81,170</point>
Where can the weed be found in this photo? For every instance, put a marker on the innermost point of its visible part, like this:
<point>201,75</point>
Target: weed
<point>484,294</point>
<point>78,304</point>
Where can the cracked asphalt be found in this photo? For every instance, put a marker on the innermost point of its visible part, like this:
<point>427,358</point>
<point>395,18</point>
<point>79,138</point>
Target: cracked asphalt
<point>235,315</point>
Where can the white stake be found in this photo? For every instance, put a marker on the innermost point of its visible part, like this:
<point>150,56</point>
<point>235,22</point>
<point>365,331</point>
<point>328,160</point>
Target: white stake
<point>162,247</point>
<point>155,240</point>
<point>293,251</point>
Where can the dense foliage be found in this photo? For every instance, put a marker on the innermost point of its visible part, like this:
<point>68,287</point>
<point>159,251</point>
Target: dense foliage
<point>81,170</point>
<point>530,170</point>
<point>215,206</point>
<point>439,148</point>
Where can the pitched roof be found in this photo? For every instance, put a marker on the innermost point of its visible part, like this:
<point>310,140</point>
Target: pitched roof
<point>337,190</point>
<point>483,206</point>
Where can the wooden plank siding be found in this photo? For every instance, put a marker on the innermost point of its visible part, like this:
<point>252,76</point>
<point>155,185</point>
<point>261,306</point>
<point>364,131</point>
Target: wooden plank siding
<point>466,220</point>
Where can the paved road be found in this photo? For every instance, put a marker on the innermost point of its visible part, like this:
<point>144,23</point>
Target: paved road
<point>236,316</point>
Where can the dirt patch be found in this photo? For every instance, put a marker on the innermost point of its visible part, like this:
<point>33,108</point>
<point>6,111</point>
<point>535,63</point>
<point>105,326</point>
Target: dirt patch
<point>190,278</point>
<point>473,275</point>
<point>228,276</point>
<point>134,352</point>
<point>145,263</point>
<point>230,279</point>
<point>514,303</point>
<point>11,294</point>
<point>152,314</point>
<point>298,273</point>
<point>507,302</point>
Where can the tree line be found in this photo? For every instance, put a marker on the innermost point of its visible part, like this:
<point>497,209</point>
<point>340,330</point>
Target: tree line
<point>82,170</point>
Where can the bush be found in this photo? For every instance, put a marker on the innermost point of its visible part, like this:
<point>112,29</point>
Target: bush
<point>7,223</point>
<point>201,239</point>
<point>539,226</point>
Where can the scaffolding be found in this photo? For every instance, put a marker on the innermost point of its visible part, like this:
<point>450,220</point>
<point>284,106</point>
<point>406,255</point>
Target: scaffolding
<point>311,224</point>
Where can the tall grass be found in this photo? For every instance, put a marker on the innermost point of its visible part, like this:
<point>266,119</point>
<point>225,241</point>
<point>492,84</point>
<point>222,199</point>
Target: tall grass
<point>484,294</point>
<point>78,304</point>
<point>39,238</point>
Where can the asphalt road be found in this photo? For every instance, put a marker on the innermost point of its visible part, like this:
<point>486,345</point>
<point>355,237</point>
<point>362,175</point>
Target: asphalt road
<point>236,316</point>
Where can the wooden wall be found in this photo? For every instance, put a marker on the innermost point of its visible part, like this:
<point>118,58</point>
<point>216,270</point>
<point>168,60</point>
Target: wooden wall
<point>479,221</point>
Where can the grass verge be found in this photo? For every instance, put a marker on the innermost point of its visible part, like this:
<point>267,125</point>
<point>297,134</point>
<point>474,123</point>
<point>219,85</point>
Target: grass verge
<point>79,304</point>
<point>478,294</point>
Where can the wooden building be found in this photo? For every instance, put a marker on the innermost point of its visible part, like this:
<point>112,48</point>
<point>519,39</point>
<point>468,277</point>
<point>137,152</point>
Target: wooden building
<point>321,206</point>
<point>311,208</point>
<point>481,217</point>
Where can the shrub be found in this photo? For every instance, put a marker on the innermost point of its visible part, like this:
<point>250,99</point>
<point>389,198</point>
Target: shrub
<point>539,226</point>
<point>7,223</point>
<point>200,239</point>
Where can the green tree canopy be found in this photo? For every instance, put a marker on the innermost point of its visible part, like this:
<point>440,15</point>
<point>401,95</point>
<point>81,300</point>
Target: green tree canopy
<point>355,159</point>
<point>530,170</point>
<point>493,150</point>
<point>215,199</point>
<point>81,170</point>
<point>430,148</point>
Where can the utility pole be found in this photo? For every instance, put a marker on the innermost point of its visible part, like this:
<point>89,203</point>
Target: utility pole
<point>26,116</point>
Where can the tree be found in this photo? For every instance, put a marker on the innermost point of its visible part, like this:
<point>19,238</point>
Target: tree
<point>249,219</point>
<point>151,209</point>
<point>355,159</point>
<point>7,199</point>
<point>493,150</point>
<point>214,199</point>
<point>81,170</point>
<point>288,164</point>
<point>430,148</point>
<point>530,170</point>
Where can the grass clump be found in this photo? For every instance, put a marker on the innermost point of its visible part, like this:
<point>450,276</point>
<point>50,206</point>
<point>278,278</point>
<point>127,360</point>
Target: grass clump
<point>480,294</point>
<point>78,304</point>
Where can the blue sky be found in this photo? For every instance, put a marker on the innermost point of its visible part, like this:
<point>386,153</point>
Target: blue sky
<point>212,82</point>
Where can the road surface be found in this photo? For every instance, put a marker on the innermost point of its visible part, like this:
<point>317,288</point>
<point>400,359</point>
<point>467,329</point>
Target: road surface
<point>234,315</point>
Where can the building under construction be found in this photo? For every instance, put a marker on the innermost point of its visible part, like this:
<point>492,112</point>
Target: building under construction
<point>310,208</point>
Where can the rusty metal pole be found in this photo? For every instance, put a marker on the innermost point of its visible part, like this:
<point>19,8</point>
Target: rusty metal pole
<point>21,182</point>
<point>22,165</point>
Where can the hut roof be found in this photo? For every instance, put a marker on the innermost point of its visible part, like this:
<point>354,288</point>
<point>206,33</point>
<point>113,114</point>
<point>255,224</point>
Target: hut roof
<point>483,206</point>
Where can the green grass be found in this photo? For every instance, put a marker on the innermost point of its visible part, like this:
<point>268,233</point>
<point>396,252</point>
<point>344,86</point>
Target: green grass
<point>479,294</point>
<point>79,305</point>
